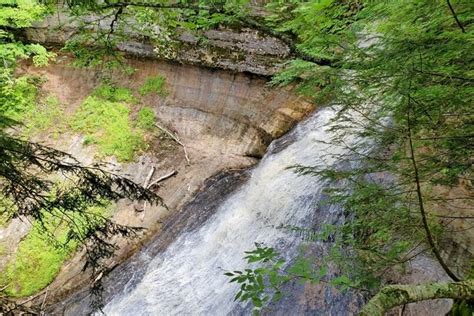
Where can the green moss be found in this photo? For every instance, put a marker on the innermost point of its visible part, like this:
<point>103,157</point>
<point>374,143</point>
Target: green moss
<point>146,118</point>
<point>108,125</point>
<point>42,253</point>
<point>36,264</point>
<point>154,85</point>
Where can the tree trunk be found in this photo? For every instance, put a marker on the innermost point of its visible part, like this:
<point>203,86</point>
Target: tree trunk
<point>395,295</point>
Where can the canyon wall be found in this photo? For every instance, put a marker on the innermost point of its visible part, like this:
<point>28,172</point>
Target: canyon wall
<point>218,103</point>
<point>224,120</point>
<point>242,50</point>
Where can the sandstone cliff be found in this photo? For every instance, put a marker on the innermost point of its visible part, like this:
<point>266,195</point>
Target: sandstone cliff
<point>225,121</point>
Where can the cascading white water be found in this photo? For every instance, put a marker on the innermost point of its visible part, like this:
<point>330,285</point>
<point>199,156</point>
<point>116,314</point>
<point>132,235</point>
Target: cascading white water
<point>188,279</point>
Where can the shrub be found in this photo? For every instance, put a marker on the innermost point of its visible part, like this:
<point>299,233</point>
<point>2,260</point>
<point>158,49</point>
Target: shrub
<point>18,97</point>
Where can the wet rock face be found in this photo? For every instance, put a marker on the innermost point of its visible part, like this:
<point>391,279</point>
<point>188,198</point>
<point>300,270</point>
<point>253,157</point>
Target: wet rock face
<point>210,106</point>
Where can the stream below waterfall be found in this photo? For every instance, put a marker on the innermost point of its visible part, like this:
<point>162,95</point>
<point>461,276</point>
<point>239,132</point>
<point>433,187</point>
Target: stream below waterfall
<point>184,275</point>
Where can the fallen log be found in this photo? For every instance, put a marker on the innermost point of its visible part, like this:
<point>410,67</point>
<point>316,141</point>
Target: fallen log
<point>162,178</point>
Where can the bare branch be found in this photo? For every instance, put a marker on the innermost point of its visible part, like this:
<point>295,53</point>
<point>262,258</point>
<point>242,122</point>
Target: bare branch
<point>176,139</point>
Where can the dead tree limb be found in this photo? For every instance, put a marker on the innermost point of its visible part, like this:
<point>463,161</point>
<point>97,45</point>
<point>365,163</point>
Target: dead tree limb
<point>176,139</point>
<point>162,178</point>
<point>148,178</point>
<point>145,184</point>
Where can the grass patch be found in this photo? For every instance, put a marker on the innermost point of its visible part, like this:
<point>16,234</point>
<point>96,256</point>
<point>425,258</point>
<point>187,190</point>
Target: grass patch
<point>154,85</point>
<point>146,118</point>
<point>107,124</point>
<point>42,253</point>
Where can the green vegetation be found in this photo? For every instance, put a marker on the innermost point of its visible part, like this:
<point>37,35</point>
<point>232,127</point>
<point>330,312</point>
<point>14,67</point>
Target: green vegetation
<point>107,124</point>
<point>7,209</point>
<point>18,97</point>
<point>113,93</point>
<point>21,102</point>
<point>409,61</point>
<point>47,114</point>
<point>29,171</point>
<point>20,15</point>
<point>105,119</point>
<point>154,85</point>
<point>146,118</point>
<point>36,263</point>
<point>42,252</point>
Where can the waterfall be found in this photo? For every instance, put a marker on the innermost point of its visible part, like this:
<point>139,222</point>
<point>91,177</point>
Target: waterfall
<point>187,278</point>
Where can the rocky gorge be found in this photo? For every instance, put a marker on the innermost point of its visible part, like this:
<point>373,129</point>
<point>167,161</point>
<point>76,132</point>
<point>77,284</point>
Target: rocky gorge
<point>224,116</point>
<point>214,124</point>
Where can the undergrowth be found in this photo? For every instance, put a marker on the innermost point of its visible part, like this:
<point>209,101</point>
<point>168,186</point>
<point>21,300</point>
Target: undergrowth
<point>114,94</point>
<point>47,114</point>
<point>105,119</point>
<point>41,254</point>
<point>18,97</point>
<point>21,102</point>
